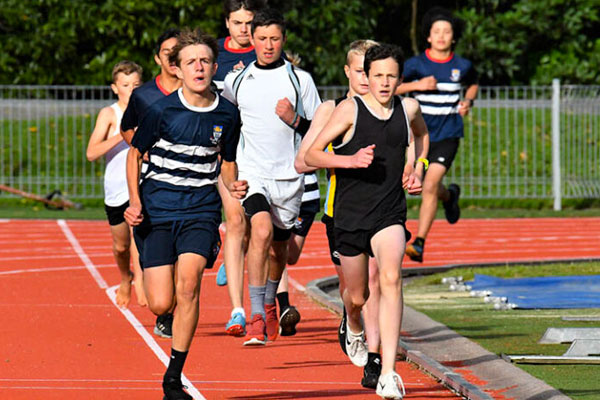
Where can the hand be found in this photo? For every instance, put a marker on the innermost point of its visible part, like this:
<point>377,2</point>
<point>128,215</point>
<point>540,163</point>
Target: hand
<point>363,158</point>
<point>239,65</point>
<point>428,83</point>
<point>408,170</point>
<point>464,107</point>
<point>133,214</point>
<point>414,186</point>
<point>238,189</point>
<point>285,111</point>
<point>146,157</point>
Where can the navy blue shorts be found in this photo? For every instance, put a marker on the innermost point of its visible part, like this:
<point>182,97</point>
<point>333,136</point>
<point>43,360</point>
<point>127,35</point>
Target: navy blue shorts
<point>163,243</point>
<point>308,210</point>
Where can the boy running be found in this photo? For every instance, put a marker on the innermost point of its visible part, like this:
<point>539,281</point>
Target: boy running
<point>370,134</point>
<point>106,141</point>
<point>184,135</point>
<point>435,79</point>
<point>268,146</point>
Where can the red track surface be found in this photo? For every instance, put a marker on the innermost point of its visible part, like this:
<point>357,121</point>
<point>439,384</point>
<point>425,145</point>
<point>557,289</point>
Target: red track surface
<point>63,338</point>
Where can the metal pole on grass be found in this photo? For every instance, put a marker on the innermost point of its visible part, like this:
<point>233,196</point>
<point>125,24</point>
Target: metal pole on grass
<point>556,178</point>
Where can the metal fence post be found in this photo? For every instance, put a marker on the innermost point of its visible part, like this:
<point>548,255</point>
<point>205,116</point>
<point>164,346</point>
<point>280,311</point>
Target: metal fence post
<point>556,176</point>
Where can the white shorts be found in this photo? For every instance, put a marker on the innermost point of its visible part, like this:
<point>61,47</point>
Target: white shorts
<point>283,195</point>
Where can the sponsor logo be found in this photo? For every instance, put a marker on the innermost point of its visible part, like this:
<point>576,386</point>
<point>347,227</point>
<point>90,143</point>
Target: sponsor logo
<point>455,75</point>
<point>298,223</point>
<point>216,134</point>
<point>441,159</point>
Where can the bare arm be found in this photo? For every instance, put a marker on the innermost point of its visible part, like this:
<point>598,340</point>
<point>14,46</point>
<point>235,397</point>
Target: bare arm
<point>466,104</point>
<point>421,145</point>
<point>128,135</point>
<point>100,143</point>
<point>229,173</point>
<point>423,84</point>
<point>133,214</point>
<point>322,115</point>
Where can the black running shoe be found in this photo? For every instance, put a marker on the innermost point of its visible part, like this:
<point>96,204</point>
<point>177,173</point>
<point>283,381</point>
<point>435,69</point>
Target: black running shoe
<point>342,332</point>
<point>288,321</point>
<point>164,326</point>
<point>451,207</point>
<point>173,389</point>
<point>372,371</point>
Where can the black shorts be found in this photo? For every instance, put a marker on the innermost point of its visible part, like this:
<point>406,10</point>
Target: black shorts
<point>163,243</point>
<point>353,243</point>
<point>306,217</point>
<point>443,152</point>
<point>329,229</point>
<point>115,214</point>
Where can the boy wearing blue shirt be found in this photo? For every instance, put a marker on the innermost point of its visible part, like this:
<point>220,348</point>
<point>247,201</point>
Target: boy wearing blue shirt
<point>184,134</point>
<point>436,78</point>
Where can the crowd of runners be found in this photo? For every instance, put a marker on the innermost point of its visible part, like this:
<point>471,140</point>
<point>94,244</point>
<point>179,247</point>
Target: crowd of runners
<point>235,126</point>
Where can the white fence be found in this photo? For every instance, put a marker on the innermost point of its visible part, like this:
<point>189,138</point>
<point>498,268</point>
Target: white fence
<point>536,142</point>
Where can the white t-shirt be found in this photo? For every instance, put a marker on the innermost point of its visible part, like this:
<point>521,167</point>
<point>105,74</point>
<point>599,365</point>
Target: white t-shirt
<point>268,146</point>
<point>115,177</point>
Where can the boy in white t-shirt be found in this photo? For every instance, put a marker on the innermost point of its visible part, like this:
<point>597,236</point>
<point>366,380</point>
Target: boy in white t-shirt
<point>106,140</point>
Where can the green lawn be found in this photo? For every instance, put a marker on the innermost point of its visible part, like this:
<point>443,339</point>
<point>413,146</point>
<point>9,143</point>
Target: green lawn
<point>511,331</point>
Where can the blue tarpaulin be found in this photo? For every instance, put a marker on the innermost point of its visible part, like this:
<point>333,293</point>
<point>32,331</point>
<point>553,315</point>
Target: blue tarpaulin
<point>543,292</point>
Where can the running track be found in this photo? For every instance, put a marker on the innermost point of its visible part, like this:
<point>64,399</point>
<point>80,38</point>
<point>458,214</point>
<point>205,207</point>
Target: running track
<point>63,338</point>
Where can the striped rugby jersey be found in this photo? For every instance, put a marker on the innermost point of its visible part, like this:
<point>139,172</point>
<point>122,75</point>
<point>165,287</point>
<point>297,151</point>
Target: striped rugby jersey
<point>440,107</point>
<point>184,142</point>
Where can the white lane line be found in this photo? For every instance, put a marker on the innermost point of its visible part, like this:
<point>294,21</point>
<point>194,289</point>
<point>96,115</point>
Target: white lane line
<point>296,284</point>
<point>53,269</point>
<point>112,295</point>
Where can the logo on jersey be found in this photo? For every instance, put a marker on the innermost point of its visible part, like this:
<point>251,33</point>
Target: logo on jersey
<point>216,135</point>
<point>455,75</point>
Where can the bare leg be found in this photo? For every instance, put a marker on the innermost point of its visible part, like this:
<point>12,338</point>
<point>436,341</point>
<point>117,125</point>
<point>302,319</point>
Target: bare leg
<point>371,308</point>
<point>190,268</point>
<point>120,246</point>
<point>357,289</point>
<point>261,235</point>
<point>278,255</point>
<point>432,190</point>
<point>138,276</point>
<point>159,287</point>
<point>388,246</point>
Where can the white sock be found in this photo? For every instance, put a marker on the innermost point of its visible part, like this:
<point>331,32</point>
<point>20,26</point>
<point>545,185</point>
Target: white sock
<point>238,310</point>
<point>352,334</point>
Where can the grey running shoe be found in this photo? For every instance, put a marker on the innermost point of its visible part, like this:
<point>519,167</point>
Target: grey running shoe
<point>164,326</point>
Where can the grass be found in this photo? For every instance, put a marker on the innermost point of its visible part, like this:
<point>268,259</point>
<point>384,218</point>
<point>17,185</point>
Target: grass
<point>511,331</point>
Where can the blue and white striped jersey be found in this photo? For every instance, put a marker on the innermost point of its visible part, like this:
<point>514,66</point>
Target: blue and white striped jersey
<point>184,142</point>
<point>440,107</point>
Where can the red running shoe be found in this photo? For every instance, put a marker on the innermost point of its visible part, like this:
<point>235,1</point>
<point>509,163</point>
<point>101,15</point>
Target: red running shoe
<point>255,332</point>
<point>272,322</point>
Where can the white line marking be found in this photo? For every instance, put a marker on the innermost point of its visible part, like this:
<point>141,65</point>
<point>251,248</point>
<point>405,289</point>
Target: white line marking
<point>54,269</point>
<point>296,284</point>
<point>112,295</point>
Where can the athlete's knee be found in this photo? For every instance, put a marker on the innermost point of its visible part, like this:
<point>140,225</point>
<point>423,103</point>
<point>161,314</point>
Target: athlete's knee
<point>120,249</point>
<point>262,233</point>
<point>188,289</point>
<point>236,223</point>
<point>160,306</point>
<point>391,277</point>
<point>359,297</point>
<point>293,257</point>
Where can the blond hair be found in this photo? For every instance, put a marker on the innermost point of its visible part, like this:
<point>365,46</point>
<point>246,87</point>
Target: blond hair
<point>359,48</point>
<point>126,67</point>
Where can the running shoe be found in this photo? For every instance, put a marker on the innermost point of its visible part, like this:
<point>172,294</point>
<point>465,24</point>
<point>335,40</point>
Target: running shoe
<point>288,321</point>
<point>272,322</point>
<point>342,331</point>
<point>356,348</point>
<point>414,252</point>
<point>222,276</point>
<point>173,389</point>
<point>451,208</point>
<point>389,386</point>
<point>371,372</point>
<point>256,333</point>
<point>236,325</point>
<point>164,326</point>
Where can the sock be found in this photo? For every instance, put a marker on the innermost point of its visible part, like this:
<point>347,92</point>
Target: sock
<point>176,364</point>
<point>238,310</point>
<point>271,291</point>
<point>373,357</point>
<point>283,299</point>
<point>351,334</point>
<point>419,241</point>
<point>257,300</point>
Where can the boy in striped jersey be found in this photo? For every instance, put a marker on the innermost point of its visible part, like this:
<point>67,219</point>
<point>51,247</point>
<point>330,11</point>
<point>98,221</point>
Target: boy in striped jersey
<point>184,134</point>
<point>435,78</point>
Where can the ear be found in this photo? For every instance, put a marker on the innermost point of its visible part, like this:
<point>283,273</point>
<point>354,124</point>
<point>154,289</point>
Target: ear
<point>227,23</point>
<point>157,59</point>
<point>178,73</point>
<point>114,88</point>
<point>347,71</point>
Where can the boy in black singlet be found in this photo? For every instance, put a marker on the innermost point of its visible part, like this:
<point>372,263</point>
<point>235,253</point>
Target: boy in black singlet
<point>370,205</point>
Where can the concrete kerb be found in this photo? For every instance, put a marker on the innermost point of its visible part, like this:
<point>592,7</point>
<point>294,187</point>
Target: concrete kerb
<point>430,344</point>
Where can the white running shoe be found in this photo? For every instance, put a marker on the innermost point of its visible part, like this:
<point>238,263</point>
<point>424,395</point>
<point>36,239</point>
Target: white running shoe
<point>389,386</point>
<point>356,348</point>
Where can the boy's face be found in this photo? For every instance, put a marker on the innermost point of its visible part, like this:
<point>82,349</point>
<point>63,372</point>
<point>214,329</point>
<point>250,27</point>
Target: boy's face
<point>268,43</point>
<point>124,85</point>
<point>441,35</point>
<point>384,78</point>
<point>355,72</point>
<point>162,59</point>
<point>196,67</point>
<point>238,25</point>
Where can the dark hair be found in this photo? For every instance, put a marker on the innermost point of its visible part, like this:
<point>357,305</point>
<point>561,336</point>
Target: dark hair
<point>190,37</point>
<point>381,52</point>
<point>268,16</point>
<point>168,34</point>
<point>230,6</point>
<point>442,14</point>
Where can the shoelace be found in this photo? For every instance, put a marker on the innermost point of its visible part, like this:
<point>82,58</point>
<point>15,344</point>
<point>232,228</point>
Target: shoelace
<point>356,345</point>
<point>398,381</point>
